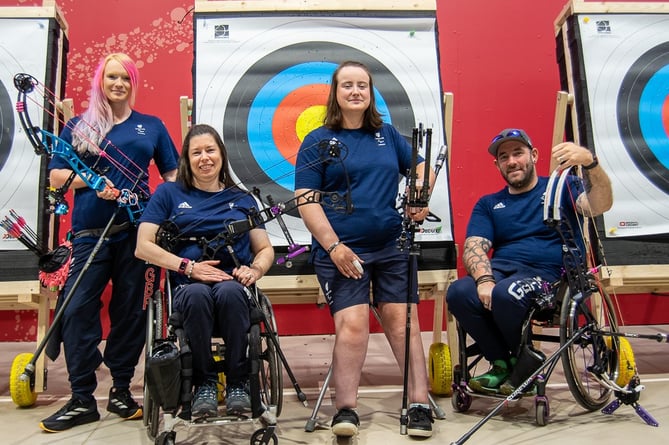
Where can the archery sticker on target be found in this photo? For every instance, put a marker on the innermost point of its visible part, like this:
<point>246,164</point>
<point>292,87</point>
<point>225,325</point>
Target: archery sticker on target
<point>626,62</point>
<point>286,93</point>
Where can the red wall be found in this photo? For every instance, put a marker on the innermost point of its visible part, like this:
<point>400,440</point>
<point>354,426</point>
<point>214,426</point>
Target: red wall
<point>497,58</point>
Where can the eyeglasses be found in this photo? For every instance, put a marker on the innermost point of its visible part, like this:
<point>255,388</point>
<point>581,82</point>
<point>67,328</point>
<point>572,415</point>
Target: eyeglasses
<point>513,133</point>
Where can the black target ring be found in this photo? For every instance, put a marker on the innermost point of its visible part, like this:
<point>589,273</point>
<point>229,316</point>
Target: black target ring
<point>236,118</point>
<point>6,125</point>
<point>642,134</point>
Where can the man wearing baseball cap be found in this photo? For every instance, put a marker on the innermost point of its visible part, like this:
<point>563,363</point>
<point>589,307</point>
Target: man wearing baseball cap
<point>491,302</point>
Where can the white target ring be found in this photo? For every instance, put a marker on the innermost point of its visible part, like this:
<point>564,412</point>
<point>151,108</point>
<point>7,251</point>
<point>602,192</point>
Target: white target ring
<point>19,165</point>
<point>624,56</point>
<point>244,63</point>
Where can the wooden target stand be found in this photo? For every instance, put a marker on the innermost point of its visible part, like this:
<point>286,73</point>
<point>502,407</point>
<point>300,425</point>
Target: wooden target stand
<point>621,279</point>
<point>30,294</point>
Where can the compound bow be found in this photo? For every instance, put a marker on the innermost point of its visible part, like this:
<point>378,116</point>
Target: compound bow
<point>46,143</point>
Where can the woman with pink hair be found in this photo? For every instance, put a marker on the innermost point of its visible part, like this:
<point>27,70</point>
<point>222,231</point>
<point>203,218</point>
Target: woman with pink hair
<point>118,142</point>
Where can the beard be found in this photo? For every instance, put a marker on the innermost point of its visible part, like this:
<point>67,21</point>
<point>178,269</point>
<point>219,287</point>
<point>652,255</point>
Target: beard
<point>522,182</point>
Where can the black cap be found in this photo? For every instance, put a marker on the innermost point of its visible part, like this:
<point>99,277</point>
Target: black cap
<point>509,134</point>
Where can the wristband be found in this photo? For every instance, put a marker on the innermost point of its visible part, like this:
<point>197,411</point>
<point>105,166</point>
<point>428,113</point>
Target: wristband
<point>190,269</point>
<point>182,267</point>
<point>333,246</point>
<point>485,279</point>
<point>595,163</point>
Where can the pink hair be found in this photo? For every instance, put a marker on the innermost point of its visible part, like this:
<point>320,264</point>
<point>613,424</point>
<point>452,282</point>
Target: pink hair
<point>97,120</point>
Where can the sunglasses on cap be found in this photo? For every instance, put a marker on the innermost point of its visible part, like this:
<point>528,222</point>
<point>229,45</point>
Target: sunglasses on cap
<point>508,134</point>
<point>513,133</point>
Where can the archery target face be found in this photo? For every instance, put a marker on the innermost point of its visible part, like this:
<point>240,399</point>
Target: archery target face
<point>626,60</point>
<point>264,81</point>
<point>19,165</point>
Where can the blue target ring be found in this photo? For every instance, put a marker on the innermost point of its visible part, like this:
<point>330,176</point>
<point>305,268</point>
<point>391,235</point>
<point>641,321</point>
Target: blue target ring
<point>265,105</point>
<point>651,104</point>
<point>641,98</point>
<point>254,100</point>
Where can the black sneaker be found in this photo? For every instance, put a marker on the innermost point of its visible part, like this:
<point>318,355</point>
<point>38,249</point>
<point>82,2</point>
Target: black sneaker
<point>345,423</point>
<point>205,402</point>
<point>121,403</point>
<point>237,398</point>
<point>420,421</point>
<point>75,412</point>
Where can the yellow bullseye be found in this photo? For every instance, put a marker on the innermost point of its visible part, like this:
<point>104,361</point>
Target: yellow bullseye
<point>310,119</point>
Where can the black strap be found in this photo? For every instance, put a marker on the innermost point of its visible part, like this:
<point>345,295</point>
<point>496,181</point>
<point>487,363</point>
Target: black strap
<point>96,233</point>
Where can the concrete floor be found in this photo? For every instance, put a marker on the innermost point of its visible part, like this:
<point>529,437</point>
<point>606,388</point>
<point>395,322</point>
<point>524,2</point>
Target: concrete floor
<point>379,406</point>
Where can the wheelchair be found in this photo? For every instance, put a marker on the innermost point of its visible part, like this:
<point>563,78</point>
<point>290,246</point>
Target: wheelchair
<point>596,358</point>
<point>595,361</point>
<point>168,371</point>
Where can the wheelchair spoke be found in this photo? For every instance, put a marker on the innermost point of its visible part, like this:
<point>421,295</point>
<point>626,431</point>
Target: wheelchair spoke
<point>589,362</point>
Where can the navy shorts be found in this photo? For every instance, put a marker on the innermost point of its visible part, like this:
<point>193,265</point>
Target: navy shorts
<point>387,270</point>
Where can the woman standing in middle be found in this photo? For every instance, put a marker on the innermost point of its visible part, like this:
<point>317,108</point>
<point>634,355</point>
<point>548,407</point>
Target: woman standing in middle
<point>350,251</point>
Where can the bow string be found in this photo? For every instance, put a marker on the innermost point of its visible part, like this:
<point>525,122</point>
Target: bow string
<point>170,234</point>
<point>47,143</point>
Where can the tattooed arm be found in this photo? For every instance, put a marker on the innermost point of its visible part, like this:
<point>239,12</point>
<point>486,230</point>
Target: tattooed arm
<point>477,263</point>
<point>475,256</point>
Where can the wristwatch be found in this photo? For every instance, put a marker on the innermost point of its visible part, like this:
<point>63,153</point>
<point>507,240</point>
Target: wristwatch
<point>595,163</point>
<point>182,267</point>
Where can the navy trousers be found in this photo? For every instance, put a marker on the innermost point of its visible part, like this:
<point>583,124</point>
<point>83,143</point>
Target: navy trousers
<point>81,328</point>
<point>216,310</point>
<point>496,331</point>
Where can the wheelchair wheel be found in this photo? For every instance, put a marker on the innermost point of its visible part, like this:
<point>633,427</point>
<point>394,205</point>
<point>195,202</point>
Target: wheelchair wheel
<point>541,412</point>
<point>154,331</point>
<point>440,369</point>
<point>151,414</point>
<point>22,388</point>
<point>256,438</point>
<point>588,360</point>
<point>461,401</point>
<point>271,374</point>
<point>166,438</point>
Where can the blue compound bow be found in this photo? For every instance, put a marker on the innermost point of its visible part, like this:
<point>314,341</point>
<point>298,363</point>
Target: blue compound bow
<point>46,143</point>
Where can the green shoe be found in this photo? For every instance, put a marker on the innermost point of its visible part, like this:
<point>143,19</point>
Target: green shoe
<point>490,381</point>
<point>507,389</point>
